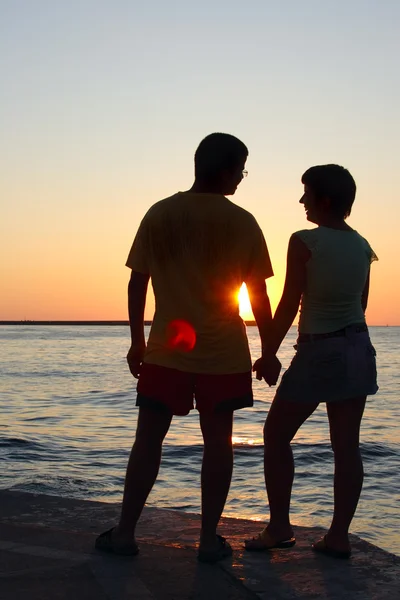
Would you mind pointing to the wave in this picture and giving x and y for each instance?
(13, 442)
(369, 450)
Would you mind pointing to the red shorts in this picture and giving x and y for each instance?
(162, 388)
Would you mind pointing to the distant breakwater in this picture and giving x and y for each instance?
(84, 323)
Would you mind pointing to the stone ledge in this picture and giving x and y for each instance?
(46, 550)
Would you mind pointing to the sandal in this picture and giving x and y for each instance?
(105, 543)
(212, 556)
(264, 541)
(322, 548)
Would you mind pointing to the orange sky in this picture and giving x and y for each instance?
(99, 122)
(66, 262)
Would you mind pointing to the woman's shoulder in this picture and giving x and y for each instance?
(307, 232)
(309, 237)
(367, 247)
(321, 238)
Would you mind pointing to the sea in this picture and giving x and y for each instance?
(68, 417)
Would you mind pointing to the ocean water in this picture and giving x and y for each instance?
(68, 419)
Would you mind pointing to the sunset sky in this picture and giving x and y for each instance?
(104, 103)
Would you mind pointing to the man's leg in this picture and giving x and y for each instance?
(143, 466)
(216, 472)
(344, 421)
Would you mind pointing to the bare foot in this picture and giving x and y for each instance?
(209, 543)
(213, 550)
(122, 537)
(108, 541)
(338, 542)
(282, 538)
(279, 533)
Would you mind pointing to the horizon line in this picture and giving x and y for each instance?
(114, 322)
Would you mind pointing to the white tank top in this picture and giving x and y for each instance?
(336, 275)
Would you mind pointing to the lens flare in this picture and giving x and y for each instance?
(181, 336)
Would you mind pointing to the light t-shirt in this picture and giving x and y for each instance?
(198, 250)
(336, 275)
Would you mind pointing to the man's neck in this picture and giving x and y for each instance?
(203, 187)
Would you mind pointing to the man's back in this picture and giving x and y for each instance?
(198, 249)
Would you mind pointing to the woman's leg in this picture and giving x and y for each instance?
(283, 421)
(344, 422)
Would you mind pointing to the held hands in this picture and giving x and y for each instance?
(135, 359)
(268, 367)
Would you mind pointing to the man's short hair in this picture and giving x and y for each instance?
(333, 182)
(216, 153)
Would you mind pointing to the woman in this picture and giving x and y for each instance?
(328, 275)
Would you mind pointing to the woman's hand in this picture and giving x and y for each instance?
(267, 368)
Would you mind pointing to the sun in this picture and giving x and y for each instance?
(245, 310)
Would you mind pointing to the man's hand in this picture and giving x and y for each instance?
(135, 359)
(268, 368)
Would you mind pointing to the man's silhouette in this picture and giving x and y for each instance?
(198, 248)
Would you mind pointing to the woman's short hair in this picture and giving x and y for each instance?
(333, 182)
(216, 153)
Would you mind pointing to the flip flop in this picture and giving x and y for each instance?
(105, 543)
(212, 556)
(322, 548)
(264, 541)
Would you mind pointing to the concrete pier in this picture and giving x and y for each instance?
(47, 552)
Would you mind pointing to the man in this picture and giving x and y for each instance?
(198, 248)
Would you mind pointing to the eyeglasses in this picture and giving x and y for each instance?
(245, 173)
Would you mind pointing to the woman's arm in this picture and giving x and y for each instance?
(297, 257)
(364, 297)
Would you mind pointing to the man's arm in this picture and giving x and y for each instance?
(137, 291)
(258, 270)
(261, 307)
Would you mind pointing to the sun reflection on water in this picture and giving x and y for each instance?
(243, 441)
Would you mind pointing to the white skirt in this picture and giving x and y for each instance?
(331, 369)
